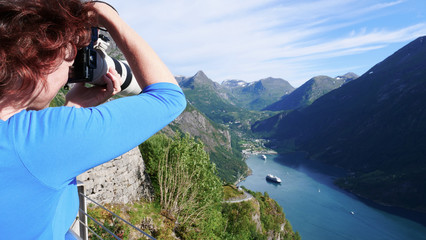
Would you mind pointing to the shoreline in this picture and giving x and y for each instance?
(411, 214)
(247, 154)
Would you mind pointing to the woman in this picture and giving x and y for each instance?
(43, 149)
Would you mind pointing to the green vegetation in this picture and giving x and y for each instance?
(240, 224)
(188, 187)
(219, 142)
(221, 111)
(59, 99)
(108, 221)
(189, 200)
(261, 218)
(186, 184)
(231, 192)
(230, 166)
(143, 214)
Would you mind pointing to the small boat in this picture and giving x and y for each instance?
(273, 178)
(352, 212)
(264, 157)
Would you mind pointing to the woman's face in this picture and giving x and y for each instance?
(54, 82)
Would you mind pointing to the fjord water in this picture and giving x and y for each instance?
(317, 208)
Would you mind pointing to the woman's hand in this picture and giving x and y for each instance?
(103, 12)
(82, 96)
(147, 67)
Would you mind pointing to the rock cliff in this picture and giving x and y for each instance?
(197, 125)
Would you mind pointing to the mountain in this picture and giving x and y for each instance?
(374, 127)
(257, 95)
(217, 140)
(213, 100)
(310, 91)
(208, 97)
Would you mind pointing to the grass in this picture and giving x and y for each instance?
(143, 214)
(231, 192)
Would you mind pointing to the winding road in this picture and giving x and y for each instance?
(247, 197)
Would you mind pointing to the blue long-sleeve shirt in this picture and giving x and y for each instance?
(42, 152)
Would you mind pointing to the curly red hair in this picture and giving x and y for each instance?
(34, 34)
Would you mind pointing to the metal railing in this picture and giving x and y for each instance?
(81, 228)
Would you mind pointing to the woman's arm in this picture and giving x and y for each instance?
(57, 144)
(144, 62)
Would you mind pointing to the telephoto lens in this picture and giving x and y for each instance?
(92, 63)
(129, 85)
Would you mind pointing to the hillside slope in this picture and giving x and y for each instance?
(208, 97)
(217, 140)
(310, 91)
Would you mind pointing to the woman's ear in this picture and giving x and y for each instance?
(70, 52)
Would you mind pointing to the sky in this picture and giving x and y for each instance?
(290, 39)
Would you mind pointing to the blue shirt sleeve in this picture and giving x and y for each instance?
(58, 144)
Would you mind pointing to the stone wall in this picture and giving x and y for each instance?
(121, 180)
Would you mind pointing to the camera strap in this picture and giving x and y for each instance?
(104, 29)
(106, 4)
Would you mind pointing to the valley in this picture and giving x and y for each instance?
(374, 126)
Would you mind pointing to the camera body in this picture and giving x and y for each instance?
(92, 63)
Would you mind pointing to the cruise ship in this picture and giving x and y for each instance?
(273, 178)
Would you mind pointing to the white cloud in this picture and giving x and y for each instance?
(253, 39)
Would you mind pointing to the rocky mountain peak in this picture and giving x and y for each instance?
(347, 77)
(199, 79)
(234, 83)
(200, 75)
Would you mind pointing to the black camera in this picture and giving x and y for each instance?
(92, 63)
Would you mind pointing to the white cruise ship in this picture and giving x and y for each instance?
(273, 178)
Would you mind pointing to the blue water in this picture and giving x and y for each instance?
(318, 209)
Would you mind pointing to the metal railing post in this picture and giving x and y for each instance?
(84, 234)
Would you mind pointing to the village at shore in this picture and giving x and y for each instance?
(256, 147)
